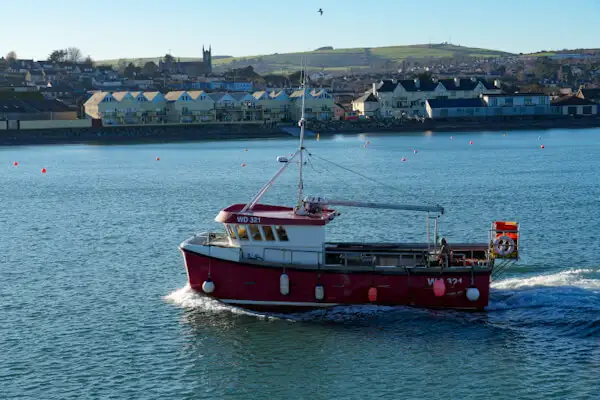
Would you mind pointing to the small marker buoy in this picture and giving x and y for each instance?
(43, 170)
(16, 163)
(504, 134)
(365, 146)
(415, 151)
(157, 158)
(470, 142)
(542, 147)
(243, 164)
(451, 137)
(368, 142)
(403, 159)
(539, 138)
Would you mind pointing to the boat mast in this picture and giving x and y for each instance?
(302, 122)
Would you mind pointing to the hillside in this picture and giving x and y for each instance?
(342, 59)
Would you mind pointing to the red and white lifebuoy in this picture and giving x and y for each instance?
(504, 245)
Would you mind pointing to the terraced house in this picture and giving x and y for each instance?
(408, 97)
(190, 106)
(197, 106)
(274, 105)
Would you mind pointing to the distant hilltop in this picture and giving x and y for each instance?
(336, 59)
(351, 59)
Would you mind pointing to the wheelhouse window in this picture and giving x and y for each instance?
(230, 231)
(242, 232)
(269, 234)
(281, 233)
(255, 233)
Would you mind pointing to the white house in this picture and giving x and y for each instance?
(573, 105)
(366, 105)
(409, 96)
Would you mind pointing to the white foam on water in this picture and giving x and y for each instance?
(569, 288)
(574, 277)
(188, 298)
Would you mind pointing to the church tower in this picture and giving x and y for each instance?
(207, 59)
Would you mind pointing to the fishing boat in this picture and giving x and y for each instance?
(276, 258)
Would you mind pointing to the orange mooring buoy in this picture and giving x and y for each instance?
(470, 142)
(16, 163)
(243, 164)
(542, 147)
(403, 159)
(43, 170)
(157, 158)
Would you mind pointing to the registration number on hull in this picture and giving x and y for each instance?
(242, 219)
(450, 281)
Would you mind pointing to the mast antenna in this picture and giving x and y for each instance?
(301, 123)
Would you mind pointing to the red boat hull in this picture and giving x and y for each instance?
(257, 287)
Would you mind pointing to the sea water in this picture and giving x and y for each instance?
(94, 302)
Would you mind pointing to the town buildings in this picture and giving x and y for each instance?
(398, 98)
(197, 106)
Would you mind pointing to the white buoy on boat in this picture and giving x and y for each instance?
(319, 292)
(284, 284)
(208, 286)
(473, 294)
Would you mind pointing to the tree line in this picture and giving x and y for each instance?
(70, 54)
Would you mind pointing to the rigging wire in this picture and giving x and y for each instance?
(355, 172)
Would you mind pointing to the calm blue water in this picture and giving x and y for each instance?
(93, 302)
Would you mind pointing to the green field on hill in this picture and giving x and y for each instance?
(338, 59)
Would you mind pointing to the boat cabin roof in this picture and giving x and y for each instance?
(264, 214)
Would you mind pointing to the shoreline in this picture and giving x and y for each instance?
(249, 131)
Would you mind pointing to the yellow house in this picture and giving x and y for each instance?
(275, 105)
(102, 105)
(318, 104)
(153, 106)
(366, 105)
(127, 107)
(203, 108)
(189, 107)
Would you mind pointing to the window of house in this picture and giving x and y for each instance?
(269, 234)
(572, 110)
(242, 232)
(587, 110)
(508, 102)
(230, 231)
(255, 233)
(281, 233)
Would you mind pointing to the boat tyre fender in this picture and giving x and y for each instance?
(504, 245)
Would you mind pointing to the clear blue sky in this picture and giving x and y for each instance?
(135, 28)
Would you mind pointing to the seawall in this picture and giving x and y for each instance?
(141, 134)
(241, 131)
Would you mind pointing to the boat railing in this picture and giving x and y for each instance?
(362, 259)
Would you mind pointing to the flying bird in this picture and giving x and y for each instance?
(320, 11)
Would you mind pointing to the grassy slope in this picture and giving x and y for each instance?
(340, 58)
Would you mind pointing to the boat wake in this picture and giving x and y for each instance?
(567, 303)
(575, 287)
(188, 298)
